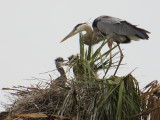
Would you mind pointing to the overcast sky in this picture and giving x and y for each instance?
(31, 31)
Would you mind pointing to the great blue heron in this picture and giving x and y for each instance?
(111, 28)
(59, 62)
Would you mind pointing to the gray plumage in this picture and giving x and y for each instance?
(123, 30)
(110, 28)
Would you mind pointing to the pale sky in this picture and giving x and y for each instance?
(31, 31)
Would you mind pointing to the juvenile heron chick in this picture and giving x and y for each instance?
(59, 62)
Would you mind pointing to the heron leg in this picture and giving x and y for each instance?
(110, 43)
(121, 58)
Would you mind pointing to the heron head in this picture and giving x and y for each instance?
(59, 62)
(77, 29)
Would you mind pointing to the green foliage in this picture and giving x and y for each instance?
(95, 98)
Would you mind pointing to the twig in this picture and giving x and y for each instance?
(144, 113)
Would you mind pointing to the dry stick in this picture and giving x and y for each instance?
(133, 70)
(144, 113)
(48, 71)
(22, 91)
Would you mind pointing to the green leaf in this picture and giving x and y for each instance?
(120, 100)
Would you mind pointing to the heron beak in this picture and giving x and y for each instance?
(72, 33)
(64, 62)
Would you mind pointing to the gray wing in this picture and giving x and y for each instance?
(108, 25)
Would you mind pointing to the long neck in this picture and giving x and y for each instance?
(88, 35)
(60, 69)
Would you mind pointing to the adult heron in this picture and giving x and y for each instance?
(111, 28)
